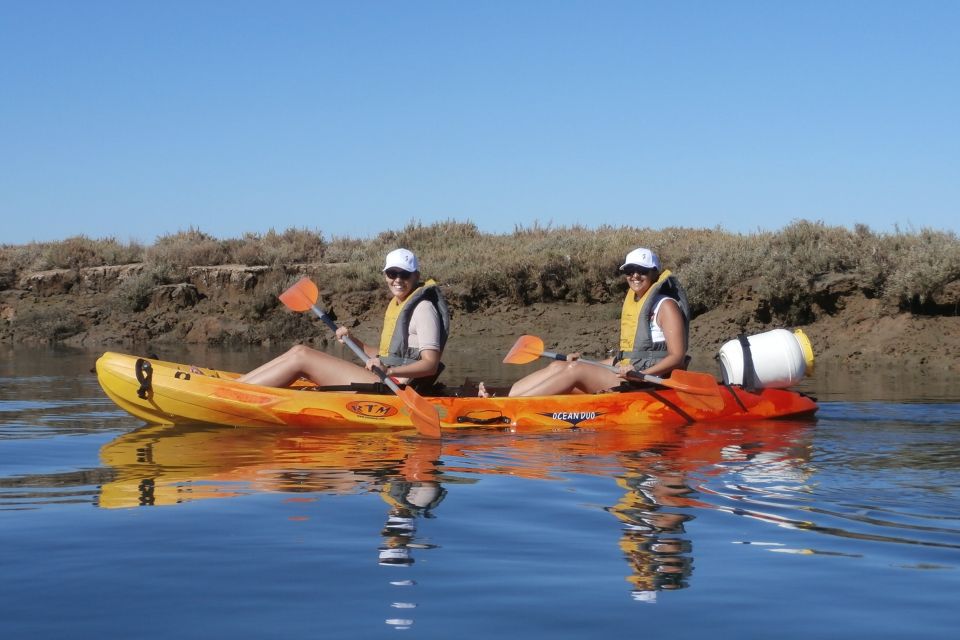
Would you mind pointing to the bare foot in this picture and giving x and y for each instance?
(482, 391)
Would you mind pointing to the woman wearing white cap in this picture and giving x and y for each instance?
(415, 330)
(654, 327)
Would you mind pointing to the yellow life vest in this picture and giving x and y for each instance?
(396, 323)
(630, 315)
(390, 320)
(636, 345)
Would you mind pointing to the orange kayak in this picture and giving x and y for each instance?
(161, 392)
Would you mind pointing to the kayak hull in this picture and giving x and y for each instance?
(160, 392)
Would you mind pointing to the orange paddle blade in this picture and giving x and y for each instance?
(525, 349)
(701, 384)
(423, 414)
(699, 390)
(703, 402)
(301, 296)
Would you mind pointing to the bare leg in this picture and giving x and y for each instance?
(302, 361)
(524, 384)
(566, 377)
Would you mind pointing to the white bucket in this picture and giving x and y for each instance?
(780, 358)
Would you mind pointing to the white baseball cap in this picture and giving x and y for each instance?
(402, 259)
(642, 258)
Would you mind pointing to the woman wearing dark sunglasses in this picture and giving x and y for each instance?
(416, 326)
(654, 329)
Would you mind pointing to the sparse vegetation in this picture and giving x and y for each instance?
(788, 270)
(47, 325)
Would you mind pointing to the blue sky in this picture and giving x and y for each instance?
(139, 119)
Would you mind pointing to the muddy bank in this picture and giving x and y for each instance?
(855, 340)
(235, 305)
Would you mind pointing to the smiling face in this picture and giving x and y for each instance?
(639, 279)
(401, 283)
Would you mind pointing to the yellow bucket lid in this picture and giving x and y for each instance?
(806, 347)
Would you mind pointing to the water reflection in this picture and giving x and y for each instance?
(653, 517)
(658, 470)
(867, 495)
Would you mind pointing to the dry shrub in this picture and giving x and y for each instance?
(416, 234)
(343, 250)
(293, 246)
(76, 252)
(925, 264)
(873, 261)
(439, 246)
(795, 259)
(14, 260)
(72, 253)
(134, 293)
(541, 263)
(350, 276)
(170, 257)
(709, 272)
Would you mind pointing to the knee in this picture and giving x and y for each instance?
(299, 352)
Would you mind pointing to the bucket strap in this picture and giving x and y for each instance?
(750, 382)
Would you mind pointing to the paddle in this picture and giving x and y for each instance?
(529, 348)
(303, 295)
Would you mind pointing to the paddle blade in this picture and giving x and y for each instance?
(525, 349)
(301, 296)
(702, 402)
(423, 414)
(701, 384)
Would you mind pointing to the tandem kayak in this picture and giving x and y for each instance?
(160, 392)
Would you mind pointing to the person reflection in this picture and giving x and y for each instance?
(408, 501)
(652, 539)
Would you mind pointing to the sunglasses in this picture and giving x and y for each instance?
(393, 274)
(632, 270)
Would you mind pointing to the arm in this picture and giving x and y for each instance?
(343, 332)
(670, 319)
(426, 366)
(425, 325)
(425, 332)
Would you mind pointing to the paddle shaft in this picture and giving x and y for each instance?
(360, 353)
(630, 374)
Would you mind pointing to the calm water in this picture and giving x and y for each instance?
(843, 527)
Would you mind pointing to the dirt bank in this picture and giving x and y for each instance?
(237, 305)
(858, 337)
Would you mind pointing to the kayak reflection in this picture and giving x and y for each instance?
(660, 472)
(165, 465)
